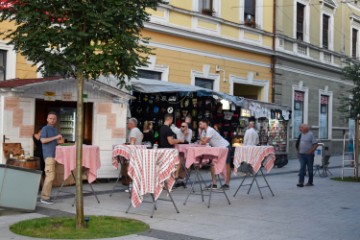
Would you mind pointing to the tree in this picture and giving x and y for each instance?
(351, 105)
(81, 39)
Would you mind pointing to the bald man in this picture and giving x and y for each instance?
(307, 147)
(251, 137)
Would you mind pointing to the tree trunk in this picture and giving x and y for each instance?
(79, 143)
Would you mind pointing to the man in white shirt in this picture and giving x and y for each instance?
(251, 137)
(135, 136)
(183, 133)
(209, 135)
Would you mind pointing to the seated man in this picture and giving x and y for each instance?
(208, 135)
(135, 136)
(183, 133)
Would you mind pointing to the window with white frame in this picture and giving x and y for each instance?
(3, 65)
(354, 43)
(204, 83)
(149, 74)
(325, 31)
(250, 13)
(324, 117)
(206, 7)
(300, 21)
(299, 104)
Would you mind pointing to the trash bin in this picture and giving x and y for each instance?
(19, 187)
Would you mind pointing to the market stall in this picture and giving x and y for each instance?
(230, 115)
(24, 104)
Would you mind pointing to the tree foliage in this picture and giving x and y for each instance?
(351, 105)
(91, 37)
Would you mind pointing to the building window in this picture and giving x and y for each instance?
(325, 31)
(300, 13)
(148, 74)
(206, 7)
(299, 97)
(354, 42)
(204, 83)
(249, 13)
(3, 65)
(324, 117)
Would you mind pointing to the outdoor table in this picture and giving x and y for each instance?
(182, 148)
(152, 170)
(258, 157)
(121, 154)
(199, 156)
(66, 155)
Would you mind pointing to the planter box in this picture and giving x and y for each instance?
(19, 187)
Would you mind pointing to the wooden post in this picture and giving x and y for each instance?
(79, 142)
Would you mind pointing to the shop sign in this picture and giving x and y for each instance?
(67, 96)
(49, 96)
(85, 97)
(299, 96)
(324, 100)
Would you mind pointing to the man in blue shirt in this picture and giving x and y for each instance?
(307, 147)
(49, 138)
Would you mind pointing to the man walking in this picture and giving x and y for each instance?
(307, 147)
(49, 138)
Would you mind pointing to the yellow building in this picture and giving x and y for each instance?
(222, 45)
(12, 64)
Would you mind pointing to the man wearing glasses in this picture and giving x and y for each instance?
(183, 133)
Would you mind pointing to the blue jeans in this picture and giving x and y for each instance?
(306, 160)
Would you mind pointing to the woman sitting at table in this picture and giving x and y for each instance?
(209, 135)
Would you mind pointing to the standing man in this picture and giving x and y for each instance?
(49, 138)
(166, 135)
(251, 137)
(135, 135)
(307, 147)
(209, 135)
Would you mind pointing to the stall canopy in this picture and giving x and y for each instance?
(155, 86)
(258, 109)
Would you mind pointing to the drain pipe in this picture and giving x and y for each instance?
(273, 57)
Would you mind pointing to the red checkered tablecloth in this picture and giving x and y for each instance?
(123, 151)
(150, 169)
(255, 156)
(201, 155)
(66, 155)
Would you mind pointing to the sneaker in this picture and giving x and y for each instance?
(225, 187)
(211, 186)
(309, 184)
(300, 184)
(48, 201)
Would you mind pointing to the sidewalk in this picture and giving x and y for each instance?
(329, 210)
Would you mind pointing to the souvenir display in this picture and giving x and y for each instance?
(271, 124)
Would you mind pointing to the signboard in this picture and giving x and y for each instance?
(49, 96)
(67, 96)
